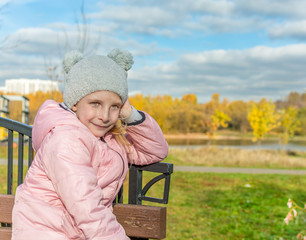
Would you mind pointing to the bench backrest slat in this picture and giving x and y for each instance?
(6, 206)
(142, 221)
(5, 233)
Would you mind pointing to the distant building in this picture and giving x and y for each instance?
(27, 86)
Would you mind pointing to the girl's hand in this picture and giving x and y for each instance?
(126, 110)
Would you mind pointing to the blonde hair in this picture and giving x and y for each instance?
(119, 133)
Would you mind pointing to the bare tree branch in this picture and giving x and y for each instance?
(6, 42)
(82, 43)
(3, 40)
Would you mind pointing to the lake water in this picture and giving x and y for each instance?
(237, 143)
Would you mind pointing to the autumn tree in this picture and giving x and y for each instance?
(138, 101)
(210, 107)
(172, 114)
(213, 122)
(215, 116)
(187, 114)
(294, 99)
(263, 119)
(161, 108)
(190, 98)
(301, 116)
(288, 123)
(36, 100)
(238, 112)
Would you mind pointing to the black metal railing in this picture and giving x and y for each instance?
(24, 133)
(136, 194)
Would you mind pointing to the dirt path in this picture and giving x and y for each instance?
(237, 170)
(218, 169)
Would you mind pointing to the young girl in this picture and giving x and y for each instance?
(82, 153)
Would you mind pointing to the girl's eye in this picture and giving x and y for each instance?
(94, 104)
(115, 107)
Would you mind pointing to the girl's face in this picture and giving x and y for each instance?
(99, 111)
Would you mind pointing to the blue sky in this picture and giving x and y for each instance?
(243, 50)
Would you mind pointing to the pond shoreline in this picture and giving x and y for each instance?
(234, 141)
(202, 136)
(238, 170)
(228, 135)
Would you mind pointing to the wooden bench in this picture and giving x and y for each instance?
(138, 221)
(6, 206)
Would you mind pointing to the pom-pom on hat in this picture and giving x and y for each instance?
(95, 73)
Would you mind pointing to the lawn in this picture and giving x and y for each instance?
(4, 151)
(233, 206)
(3, 178)
(226, 206)
(215, 156)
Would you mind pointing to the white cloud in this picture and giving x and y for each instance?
(220, 24)
(272, 8)
(260, 71)
(161, 33)
(209, 7)
(3, 3)
(178, 18)
(146, 16)
(296, 29)
(22, 66)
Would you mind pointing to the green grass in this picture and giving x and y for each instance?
(4, 151)
(215, 156)
(225, 206)
(232, 206)
(3, 178)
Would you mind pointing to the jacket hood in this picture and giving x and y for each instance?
(50, 115)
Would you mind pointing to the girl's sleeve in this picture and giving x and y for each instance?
(69, 168)
(148, 142)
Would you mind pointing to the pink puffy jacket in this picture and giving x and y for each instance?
(69, 189)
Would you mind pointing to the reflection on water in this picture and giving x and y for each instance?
(237, 143)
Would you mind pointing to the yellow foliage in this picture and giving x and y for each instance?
(214, 122)
(220, 119)
(138, 101)
(215, 115)
(172, 114)
(289, 123)
(191, 98)
(185, 115)
(263, 118)
(36, 100)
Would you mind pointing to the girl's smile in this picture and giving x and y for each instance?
(99, 111)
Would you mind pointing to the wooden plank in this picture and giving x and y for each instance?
(142, 221)
(6, 207)
(137, 220)
(5, 233)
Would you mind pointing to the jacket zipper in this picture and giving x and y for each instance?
(123, 167)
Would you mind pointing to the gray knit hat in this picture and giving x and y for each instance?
(95, 73)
